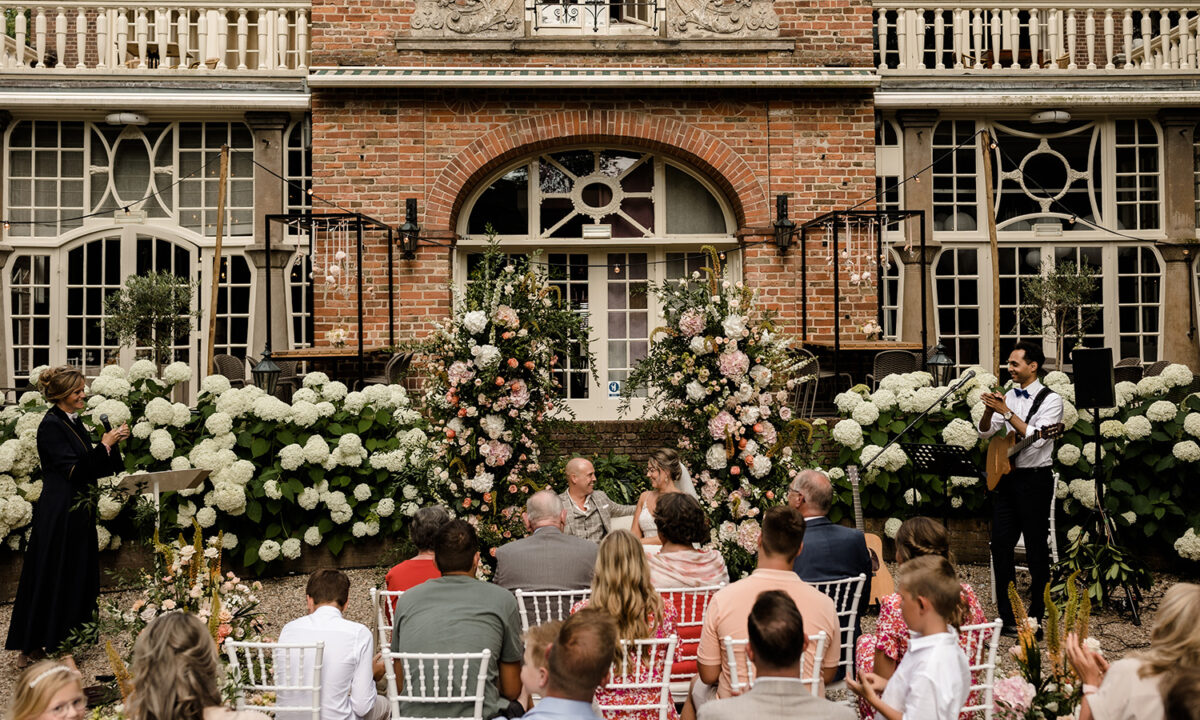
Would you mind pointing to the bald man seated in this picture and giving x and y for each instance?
(547, 559)
(589, 512)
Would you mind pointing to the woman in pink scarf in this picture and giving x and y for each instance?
(682, 527)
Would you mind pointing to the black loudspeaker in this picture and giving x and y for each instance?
(1094, 377)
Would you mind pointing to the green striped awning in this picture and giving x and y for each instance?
(591, 77)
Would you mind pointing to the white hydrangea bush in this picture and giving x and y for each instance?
(327, 467)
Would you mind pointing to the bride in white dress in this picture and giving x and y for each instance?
(666, 475)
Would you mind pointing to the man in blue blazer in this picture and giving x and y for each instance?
(830, 551)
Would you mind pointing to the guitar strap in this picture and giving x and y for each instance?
(1037, 403)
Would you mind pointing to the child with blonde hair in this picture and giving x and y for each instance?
(933, 679)
(535, 671)
(48, 690)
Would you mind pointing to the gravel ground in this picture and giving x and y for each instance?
(282, 600)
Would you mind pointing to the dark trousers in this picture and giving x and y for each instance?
(1021, 506)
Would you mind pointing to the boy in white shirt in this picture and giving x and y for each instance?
(933, 679)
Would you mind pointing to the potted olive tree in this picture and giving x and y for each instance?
(152, 311)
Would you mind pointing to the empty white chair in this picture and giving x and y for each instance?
(437, 679)
(646, 667)
(691, 604)
(845, 594)
(740, 682)
(291, 671)
(543, 606)
(384, 602)
(984, 639)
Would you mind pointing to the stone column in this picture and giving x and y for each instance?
(917, 126)
(1180, 343)
(6, 250)
(268, 128)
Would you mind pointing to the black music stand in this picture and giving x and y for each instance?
(944, 461)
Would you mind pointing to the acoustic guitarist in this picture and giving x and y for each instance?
(1021, 500)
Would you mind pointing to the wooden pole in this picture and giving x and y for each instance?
(985, 149)
(216, 269)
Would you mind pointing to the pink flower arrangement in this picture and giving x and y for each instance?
(1014, 693)
(747, 535)
(495, 453)
(459, 373)
(519, 393)
(506, 317)
(691, 323)
(733, 364)
(720, 424)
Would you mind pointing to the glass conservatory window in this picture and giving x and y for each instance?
(1137, 175)
(45, 177)
(956, 297)
(891, 296)
(300, 300)
(30, 312)
(297, 167)
(200, 143)
(1139, 296)
(954, 177)
(233, 307)
(93, 273)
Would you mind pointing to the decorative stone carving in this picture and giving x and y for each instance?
(476, 18)
(722, 18)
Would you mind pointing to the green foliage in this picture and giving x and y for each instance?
(619, 477)
(152, 310)
(1059, 305)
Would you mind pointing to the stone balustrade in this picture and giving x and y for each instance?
(1036, 37)
(185, 37)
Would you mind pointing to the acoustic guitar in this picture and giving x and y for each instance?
(1001, 449)
(881, 580)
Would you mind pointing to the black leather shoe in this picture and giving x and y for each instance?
(1009, 631)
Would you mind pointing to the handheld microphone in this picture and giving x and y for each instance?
(963, 380)
(104, 421)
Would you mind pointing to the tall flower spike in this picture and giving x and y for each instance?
(119, 670)
(1053, 629)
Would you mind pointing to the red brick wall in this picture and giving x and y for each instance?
(372, 149)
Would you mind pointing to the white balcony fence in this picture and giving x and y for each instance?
(1036, 37)
(181, 37)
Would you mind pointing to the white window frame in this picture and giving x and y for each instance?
(599, 405)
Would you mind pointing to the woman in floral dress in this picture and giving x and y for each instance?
(622, 588)
(881, 652)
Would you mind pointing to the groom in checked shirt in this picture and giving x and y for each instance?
(1021, 501)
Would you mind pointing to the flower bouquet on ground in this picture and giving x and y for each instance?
(1045, 686)
(493, 386)
(718, 371)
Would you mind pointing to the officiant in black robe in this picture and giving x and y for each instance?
(60, 577)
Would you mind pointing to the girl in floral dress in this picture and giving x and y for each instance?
(881, 652)
(622, 588)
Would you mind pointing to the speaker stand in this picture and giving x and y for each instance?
(1107, 528)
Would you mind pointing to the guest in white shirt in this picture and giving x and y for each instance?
(1021, 500)
(933, 680)
(349, 666)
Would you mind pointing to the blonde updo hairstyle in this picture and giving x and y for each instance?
(36, 687)
(57, 383)
(622, 587)
(174, 670)
(668, 460)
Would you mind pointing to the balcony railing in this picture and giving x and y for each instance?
(178, 38)
(1036, 37)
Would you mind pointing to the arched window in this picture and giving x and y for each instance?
(610, 222)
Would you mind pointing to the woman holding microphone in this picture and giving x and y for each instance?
(60, 577)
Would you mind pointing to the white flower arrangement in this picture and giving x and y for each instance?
(1176, 375)
(117, 411)
(912, 496)
(206, 516)
(1191, 424)
(315, 379)
(214, 384)
(312, 536)
(271, 490)
(162, 447)
(891, 527)
(960, 433)
(715, 457)
(1187, 451)
(849, 433)
(1112, 429)
(1068, 454)
(847, 401)
(141, 369)
(883, 400)
(362, 492)
(333, 391)
(177, 372)
(268, 550)
(385, 508)
(1162, 411)
(289, 548)
(865, 413)
(1084, 490)
(475, 322)
(1151, 386)
(1188, 545)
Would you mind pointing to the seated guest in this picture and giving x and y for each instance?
(456, 613)
(589, 511)
(416, 570)
(1132, 687)
(48, 690)
(577, 662)
(681, 526)
(665, 473)
(548, 559)
(534, 670)
(622, 589)
(175, 672)
(831, 551)
(780, 542)
(777, 641)
(349, 666)
(934, 679)
(1181, 694)
(882, 651)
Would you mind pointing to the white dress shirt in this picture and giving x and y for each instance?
(347, 683)
(932, 681)
(1039, 454)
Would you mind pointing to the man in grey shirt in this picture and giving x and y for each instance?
(548, 559)
(457, 613)
(589, 511)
